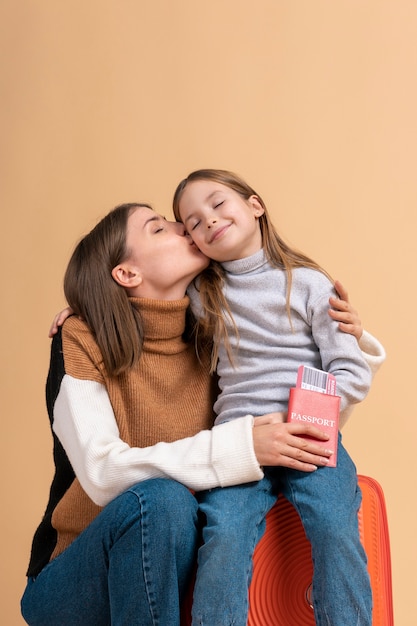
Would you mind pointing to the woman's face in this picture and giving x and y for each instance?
(163, 257)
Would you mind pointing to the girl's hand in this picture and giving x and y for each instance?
(59, 319)
(343, 312)
(279, 443)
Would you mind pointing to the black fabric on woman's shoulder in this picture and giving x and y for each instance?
(45, 537)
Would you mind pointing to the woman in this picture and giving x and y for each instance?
(119, 537)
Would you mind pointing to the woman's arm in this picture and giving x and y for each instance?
(342, 311)
(229, 454)
(105, 465)
(373, 351)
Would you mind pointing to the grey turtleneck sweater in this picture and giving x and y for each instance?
(269, 350)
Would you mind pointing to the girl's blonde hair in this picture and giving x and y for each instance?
(210, 282)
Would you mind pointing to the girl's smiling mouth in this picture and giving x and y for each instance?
(219, 233)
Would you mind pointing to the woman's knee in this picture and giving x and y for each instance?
(168, 499)
(161, 489)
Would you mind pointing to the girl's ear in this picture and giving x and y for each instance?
(257, 207)
(126, 276)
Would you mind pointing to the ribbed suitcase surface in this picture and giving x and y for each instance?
(281, 584)
(280, 589)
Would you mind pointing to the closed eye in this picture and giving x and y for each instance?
(192, 224)
(155, 223)
(161, 227)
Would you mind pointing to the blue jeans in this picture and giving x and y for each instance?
(130, 566)
(327, 501)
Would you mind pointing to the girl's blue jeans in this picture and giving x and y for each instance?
(327, 501)
(131, 566)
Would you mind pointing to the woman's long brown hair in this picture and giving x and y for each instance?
(94, 295)
(210, 282)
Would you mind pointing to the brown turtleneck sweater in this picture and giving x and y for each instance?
(167, 396)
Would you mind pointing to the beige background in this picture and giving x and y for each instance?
(109, 101)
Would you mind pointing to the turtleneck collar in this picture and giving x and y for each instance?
(163, 322)
(248, 264)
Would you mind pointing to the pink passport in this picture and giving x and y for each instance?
(319, 409)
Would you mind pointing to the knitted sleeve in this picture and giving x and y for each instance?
(339, 352)
(374, 354)
(82, 355)
(106, 466)
(372, 351)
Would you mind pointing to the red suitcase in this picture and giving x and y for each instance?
(281, 584)
(280, 590)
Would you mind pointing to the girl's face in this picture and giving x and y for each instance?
(220, 221)
(162, 259)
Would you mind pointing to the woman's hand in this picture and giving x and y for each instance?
(271, 418)
(343, 312)
(59, 319)
(279, 443)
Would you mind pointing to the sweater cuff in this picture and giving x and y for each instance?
(373, 351)
(234, 458)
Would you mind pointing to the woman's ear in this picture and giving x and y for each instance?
(127, 276)
(257, 207)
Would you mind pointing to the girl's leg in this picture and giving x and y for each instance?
(130, 566)
(234, 523)
(328, 501)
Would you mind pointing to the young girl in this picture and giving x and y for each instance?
(266, 306)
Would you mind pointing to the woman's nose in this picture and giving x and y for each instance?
(179, 228)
